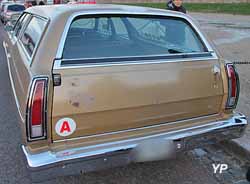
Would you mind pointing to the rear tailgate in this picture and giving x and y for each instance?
(121, 72)
(102, 99)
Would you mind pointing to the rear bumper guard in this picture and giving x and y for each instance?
(49, 164)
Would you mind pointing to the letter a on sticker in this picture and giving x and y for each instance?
(65, 127)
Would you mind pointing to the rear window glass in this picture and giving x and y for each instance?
(32, 34)
(16, 8)
(127, 36)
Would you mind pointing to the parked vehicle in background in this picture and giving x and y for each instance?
(106, 85)
(3, 2)
(11, 11)
(12, 21)
(2, 5)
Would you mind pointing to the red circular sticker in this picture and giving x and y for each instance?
(65, 127)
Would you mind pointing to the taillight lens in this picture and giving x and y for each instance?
(36, 110)
(233, 86)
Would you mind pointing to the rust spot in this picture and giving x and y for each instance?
(76, 104)
(75, 82)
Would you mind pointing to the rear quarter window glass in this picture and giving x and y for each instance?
(130, 36)
(32, 34)
(20, 23)
(84, 23)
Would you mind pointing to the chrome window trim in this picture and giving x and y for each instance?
(41, 37)
(11, 34)
(58, 65)
(21, 30)
(134, 57)
(19, 38)
(62, 41)
(30, 58)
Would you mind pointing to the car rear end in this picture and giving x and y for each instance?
(3, 4)
(144, 80)
(13, 11)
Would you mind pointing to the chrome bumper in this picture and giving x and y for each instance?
(49, 164)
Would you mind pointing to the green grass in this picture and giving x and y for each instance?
(231, 8)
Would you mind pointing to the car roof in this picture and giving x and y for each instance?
(6, 2)
(14, 4)
(55, 11)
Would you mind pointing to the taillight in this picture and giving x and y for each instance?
(36, 110)
(233, 86)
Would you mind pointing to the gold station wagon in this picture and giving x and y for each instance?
(99, 86)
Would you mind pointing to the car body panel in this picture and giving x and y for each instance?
(114, 98)
(20, 74)
(213, 95)
(117, 101)
(82, 106)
